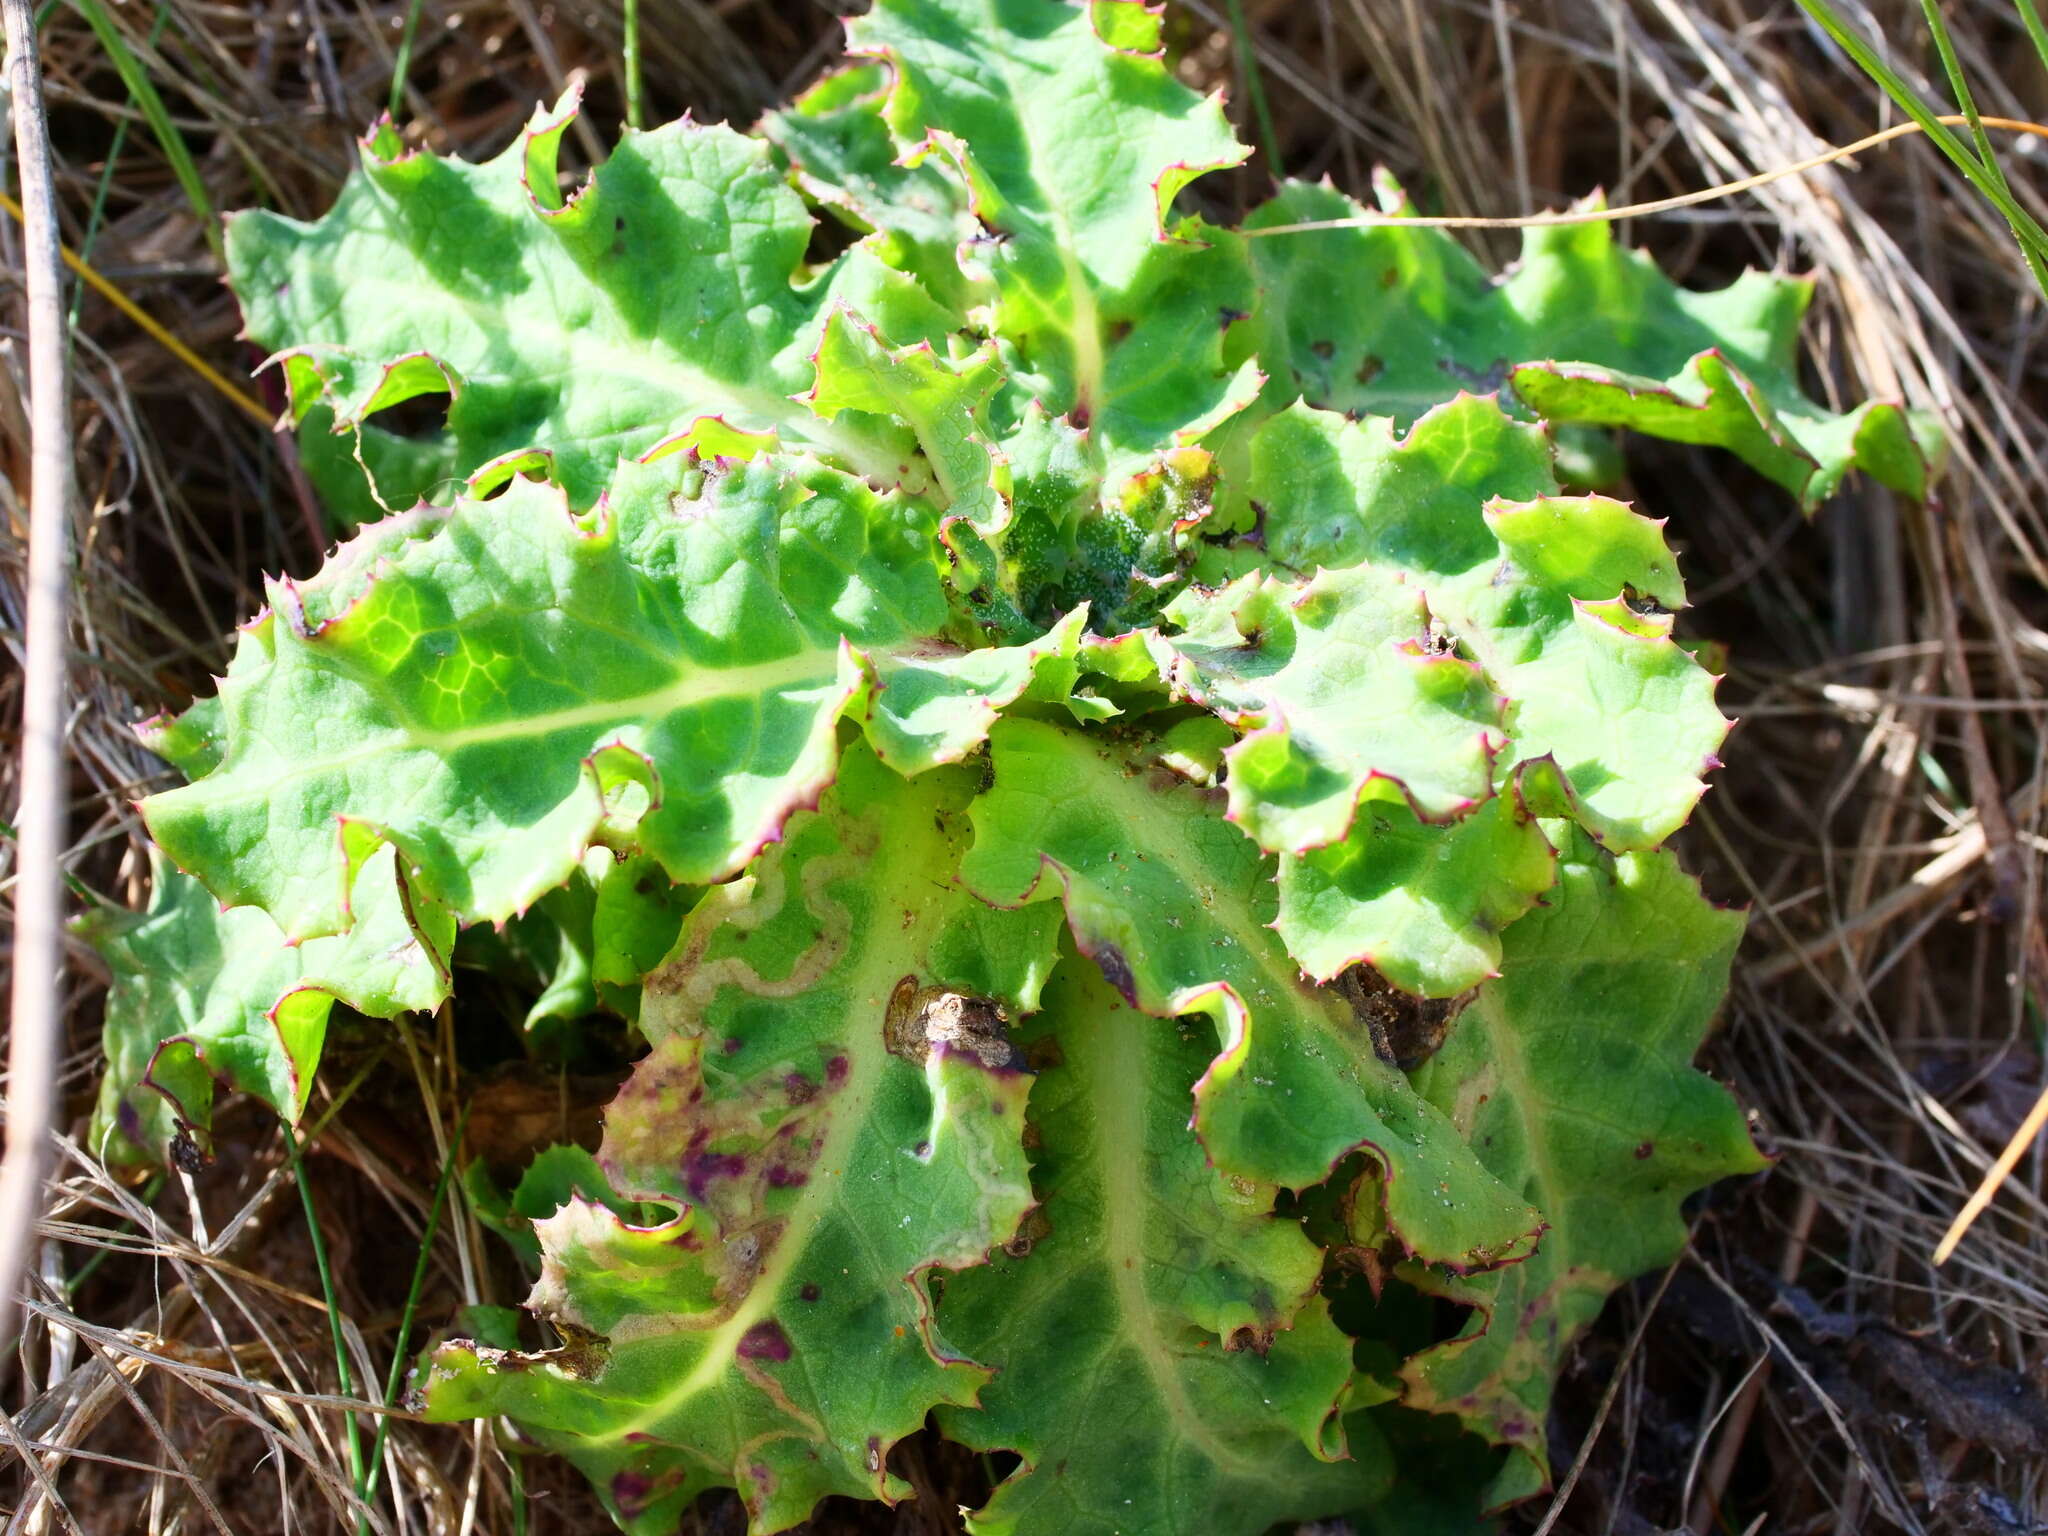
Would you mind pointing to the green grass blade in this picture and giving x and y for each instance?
(1959, 84)
(2029, 231)
(374, 1472)
(106, 183)
(632, 63)
(2030, 18)
(1255, 87)
(403, 62)
(345, 1375)
(143, 93)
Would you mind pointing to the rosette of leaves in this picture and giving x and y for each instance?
(1094, 746)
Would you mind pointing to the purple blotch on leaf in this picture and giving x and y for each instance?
(764, 1341)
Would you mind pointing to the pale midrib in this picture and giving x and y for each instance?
(1507, 1054)
(1164, 841)
(588, 353)
(1118, 1094)
(1086, 331)
(847, 1116)
(807, 666)
(691, 688)
(849, 1112)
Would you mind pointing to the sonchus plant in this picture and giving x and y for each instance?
(1119, 788)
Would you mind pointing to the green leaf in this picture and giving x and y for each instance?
(1333, 682)
(939, 403)
(1571, 1076)
(1174, 904)
(661, 291)
(1535, 593)
(499, 685)
(1166, 1363)
(1424, 906)
(832, 1110)
(1583, 329)
(556, 1176)
(557, 935)
(916, 217)
(1460, 633)
(189, 742)
(1074, 139)
(634, 924)
(201, 995)
(1335, 493)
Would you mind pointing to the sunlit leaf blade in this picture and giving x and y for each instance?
(1571, 1074)
(832, 1109)
(1327, 492)
(1173, 903)
(1561, 601)
(1334, 682)
(1582, 329)
(499, 685)
(940, 404)
(916, 217)
(1073, 139)
(1166, 1365)
(1424, 906)
(634, 923)
(1440, 555)
(201, 996)
(592, 325)
(190, 741)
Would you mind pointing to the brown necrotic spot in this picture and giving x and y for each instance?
(920, 1018)
(1406, 1031)
(808, 1293)
(1030, 1231)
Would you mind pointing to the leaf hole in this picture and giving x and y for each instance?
(421, 416)
(830, 239)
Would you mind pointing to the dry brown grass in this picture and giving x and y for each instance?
(1891, 663)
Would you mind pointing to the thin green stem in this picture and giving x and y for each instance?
(516, 1475)
(1255, 87)
(367, 1489)
(106, 183)
(401, 64)
(76, 886)
(2028, 230)
(1966, 101)
(142, 91)
(343, 1373)
(632, 63)
(2030, 18)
